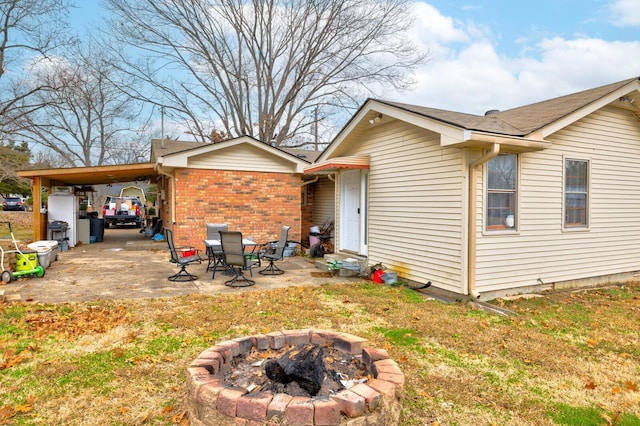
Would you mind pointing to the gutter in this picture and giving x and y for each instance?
(471, 218)
(157, 167)
(308, 182)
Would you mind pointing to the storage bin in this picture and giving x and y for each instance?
(390, 277)
(27, 260)
(290, 250)
(47, 251)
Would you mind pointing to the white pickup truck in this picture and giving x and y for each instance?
(122, 210)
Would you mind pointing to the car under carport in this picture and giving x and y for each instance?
(80, 176)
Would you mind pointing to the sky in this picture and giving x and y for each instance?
(499, 54)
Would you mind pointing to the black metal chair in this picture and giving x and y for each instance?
(275, 252)
(182, 256)
(235, 260)
(214, 253)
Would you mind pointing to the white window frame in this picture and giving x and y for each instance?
(587, 226)
(516, 191)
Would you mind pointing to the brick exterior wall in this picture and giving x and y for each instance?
(256, 203)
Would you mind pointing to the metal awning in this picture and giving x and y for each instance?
(337, 163)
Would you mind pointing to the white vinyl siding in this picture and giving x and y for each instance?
(323, 201)
(541, 252)
(415, 204)
(241, 157)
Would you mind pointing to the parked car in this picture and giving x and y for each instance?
(14, 204)
(122, 210)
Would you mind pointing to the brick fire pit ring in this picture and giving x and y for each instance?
(211, 401)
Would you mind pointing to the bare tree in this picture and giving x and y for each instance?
(270, 69)
(28, 28)
(87, 120)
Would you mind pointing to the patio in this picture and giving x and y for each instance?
(128, 265)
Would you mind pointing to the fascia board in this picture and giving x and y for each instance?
(449, 134)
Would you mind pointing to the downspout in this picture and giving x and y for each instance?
(158, 168)
(471, 217)
(308, 182)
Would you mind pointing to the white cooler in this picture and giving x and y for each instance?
(47, 251)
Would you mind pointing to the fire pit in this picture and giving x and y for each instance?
(272, 379)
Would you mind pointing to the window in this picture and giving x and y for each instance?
(502, 175)
(576, 193)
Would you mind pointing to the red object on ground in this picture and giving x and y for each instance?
(188, 253)
(377, 276)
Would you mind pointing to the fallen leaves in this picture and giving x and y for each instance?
(592, 343)
(13, 359)
(9, 411)
(631, 386)
(66, 322)
(627, 386)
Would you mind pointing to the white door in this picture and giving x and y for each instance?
(350, 211)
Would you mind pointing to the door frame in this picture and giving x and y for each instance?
(362, 235)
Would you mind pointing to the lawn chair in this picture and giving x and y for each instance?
(182, 256)
(214, 253)
(235, 260)
(275, 252)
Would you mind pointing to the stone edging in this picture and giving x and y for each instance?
(212, 401)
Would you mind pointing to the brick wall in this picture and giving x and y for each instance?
(256, 203)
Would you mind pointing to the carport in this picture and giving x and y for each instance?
(80, 176)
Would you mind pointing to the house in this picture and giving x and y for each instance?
(542, 196)
(254, 187)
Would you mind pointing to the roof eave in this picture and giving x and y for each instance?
(482, 140)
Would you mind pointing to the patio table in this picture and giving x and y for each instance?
(210, 245)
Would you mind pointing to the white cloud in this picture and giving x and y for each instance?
(626, 13)
(468, 74)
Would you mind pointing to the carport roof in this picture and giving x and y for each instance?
(94, 175)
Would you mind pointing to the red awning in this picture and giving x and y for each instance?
(337, 163)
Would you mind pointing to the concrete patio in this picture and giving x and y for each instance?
(127, 265)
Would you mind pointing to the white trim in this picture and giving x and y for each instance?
(485, 200)
(564, 188)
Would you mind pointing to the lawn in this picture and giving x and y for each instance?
(570, 358)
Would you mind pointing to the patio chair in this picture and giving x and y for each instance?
(183, 257)
(214, 253)
(275, 252)
(235, 260)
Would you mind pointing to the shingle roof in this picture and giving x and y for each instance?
(160, 148)
(519, 121)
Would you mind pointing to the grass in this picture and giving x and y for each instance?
(566, 359)
(570, 358)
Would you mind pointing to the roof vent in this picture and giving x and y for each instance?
(491, 112)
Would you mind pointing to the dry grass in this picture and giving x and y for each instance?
(20, 224)
(124, 362)
(566, 358)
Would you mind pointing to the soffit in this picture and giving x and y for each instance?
(94, 175)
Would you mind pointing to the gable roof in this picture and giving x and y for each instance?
(160, 148)
(522, 128)
(520, 121)
(178, 154)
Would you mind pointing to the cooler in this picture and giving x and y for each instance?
(26, 261)
(47, 251)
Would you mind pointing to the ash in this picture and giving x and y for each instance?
(341, 371)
